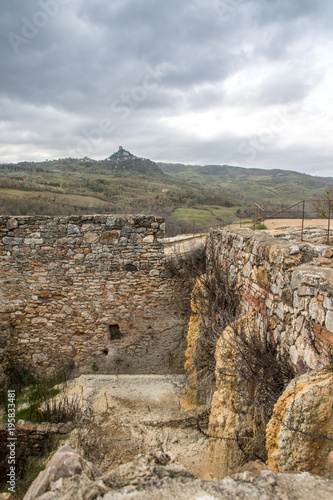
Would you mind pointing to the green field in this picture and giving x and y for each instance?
(66, 199)
(207, 216)
(186, 195)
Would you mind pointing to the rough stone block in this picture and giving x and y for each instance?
(109, 237)
(33, 241)
(73, 229)
(12, 241)
(328, 303)
(329, 321)
(148, 239)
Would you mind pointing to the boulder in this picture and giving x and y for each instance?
(236, 429)
(300, 432)
(158, 476)
(64, 463)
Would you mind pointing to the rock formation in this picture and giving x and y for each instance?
(68, 477)
(236, 429)
(195, 331)
(300, 433)
(287, 288)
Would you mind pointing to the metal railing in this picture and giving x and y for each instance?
(305, 209)
(259, 215)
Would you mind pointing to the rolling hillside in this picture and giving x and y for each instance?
(253, 185)
(191, 197)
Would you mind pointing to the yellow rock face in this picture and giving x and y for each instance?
(192, 397)
(233, 426)
(262, 277)
(302, 418)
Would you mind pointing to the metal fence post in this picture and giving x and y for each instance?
(303, 220)
(329, 221)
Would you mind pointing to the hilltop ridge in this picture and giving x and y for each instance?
(121, 154)
(124, 161)
(190, 197)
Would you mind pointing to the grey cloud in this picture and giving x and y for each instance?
(90, 62)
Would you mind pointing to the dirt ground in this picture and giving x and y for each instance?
(184, 243)
(276, 226)
(141, 414)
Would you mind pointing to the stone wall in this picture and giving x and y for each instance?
(286, 293)
(32, 436)
(289, 285)
(93, 290)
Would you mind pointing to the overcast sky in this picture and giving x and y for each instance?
(234, 82)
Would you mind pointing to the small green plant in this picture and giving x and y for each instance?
(95, 367)
(32, 391)
(18, 377)
(261, 226)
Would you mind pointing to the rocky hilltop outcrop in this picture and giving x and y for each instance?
(123, 161)
(121, 154)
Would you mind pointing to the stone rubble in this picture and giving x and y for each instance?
(69, 477)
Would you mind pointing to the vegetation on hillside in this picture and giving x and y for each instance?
(189, 197)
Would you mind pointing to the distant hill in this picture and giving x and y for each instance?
(191, 197)
(253, 185)
(124, 161)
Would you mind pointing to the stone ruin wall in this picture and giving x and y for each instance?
(90, 289)
(289, 285)
(288, 289)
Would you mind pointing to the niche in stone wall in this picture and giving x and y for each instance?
(115, 333)
(130, 268)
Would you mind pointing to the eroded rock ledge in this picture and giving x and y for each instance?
(285, 292)
(69, 477)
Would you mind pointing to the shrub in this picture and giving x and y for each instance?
(188, 262)
(255, 362)
(35, 392)
(217, 299)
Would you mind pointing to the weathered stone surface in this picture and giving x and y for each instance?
(12, 241)
(302, 419)
(73, 229)
(282, 281)
(65, 463)
(145, 469)
(196, 329)
(329, 321)
(293, 298)
(150, 478)
(91, 237)
(110, 237)
(64, 294)
(231, 418)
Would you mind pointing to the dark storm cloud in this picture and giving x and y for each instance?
(80, 76)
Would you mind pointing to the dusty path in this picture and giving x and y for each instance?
(141, 414)
(276, 226)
